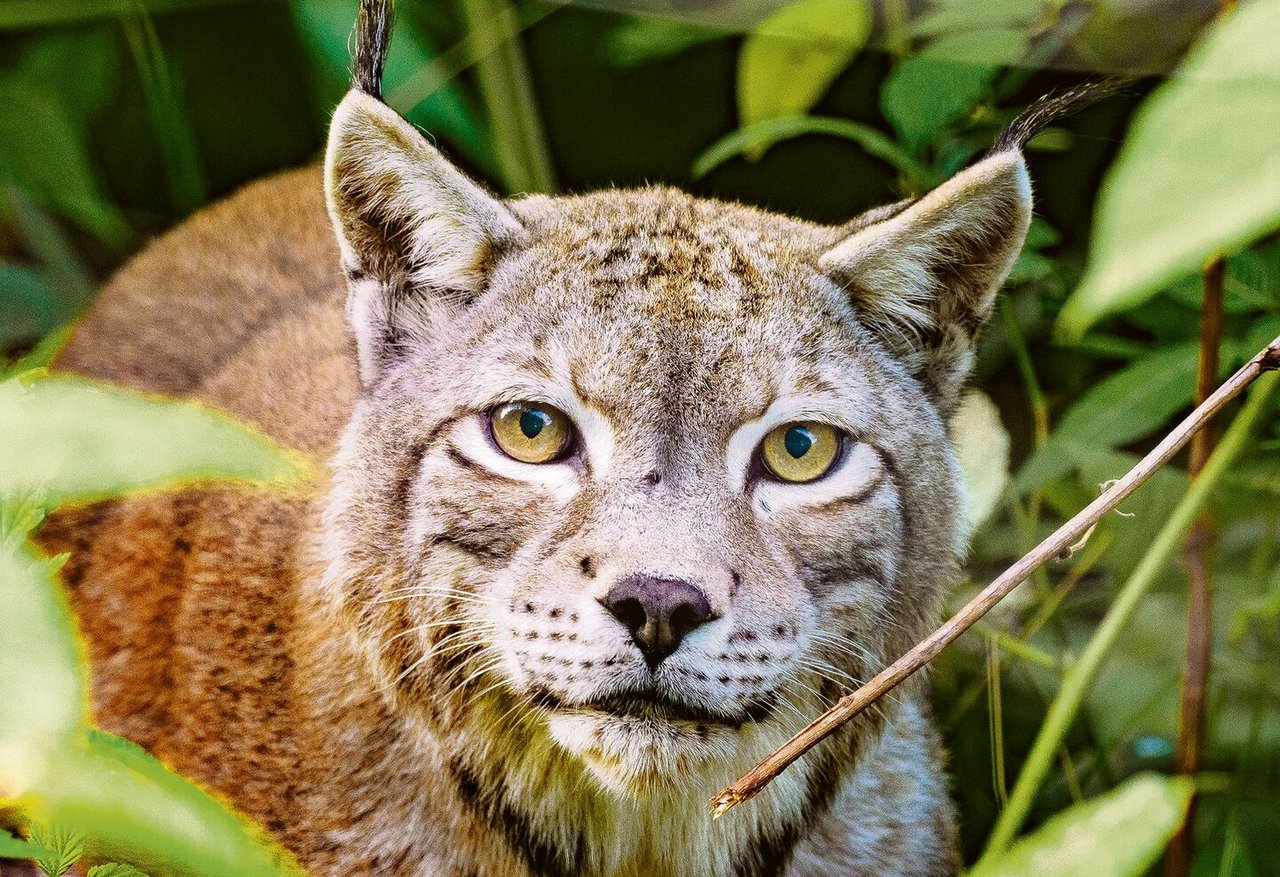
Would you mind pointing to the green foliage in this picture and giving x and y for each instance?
(43, 698)
(1118, 834)
(941, 85)
(757, 138)
(791, 58)
(115, 869)
(12, 848)
(1203, 147)
(141, 118)
(83, 441)
(58, 849)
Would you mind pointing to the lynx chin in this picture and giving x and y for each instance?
(623, 488)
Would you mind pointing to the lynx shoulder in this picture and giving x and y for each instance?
(620, 490)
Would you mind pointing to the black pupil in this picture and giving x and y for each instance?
(532, 422)
(798, 441)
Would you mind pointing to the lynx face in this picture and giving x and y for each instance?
(656, 476)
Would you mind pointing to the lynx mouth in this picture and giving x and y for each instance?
(655, 705)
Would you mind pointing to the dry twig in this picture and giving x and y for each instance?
(749, 784)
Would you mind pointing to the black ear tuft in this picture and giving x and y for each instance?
(373, 35)
(1050, 108)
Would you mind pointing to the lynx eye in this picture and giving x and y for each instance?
(531, 432)
(800, 452)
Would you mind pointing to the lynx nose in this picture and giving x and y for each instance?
(659, 612)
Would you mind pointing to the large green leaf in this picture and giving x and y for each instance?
(1117, 834)
(132, 808)
(75, 440)
(791, 57)
(13, 848)
(43, 700)
(1198, 174)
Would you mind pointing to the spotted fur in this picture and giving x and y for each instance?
(410, 671)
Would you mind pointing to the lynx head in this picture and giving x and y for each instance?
(651, 475)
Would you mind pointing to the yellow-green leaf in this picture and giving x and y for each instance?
(1197, 175)
(131, 807)
(43, 700)
(75, 440)
(791, 57)
(1118, 834)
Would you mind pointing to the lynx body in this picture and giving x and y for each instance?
(447, 660)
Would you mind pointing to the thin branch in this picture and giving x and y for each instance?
(1196, 555)
(1067, 705)
(750, 784)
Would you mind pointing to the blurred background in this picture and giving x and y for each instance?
(120, 117)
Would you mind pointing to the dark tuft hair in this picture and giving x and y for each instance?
(373, 34)
(1050, 108)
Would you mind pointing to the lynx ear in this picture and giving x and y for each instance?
(418, 237)
(924, 275)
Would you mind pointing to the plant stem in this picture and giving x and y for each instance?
(169, 119)
(1196, 556)
(509, 99)
(1039, 422)
(897, 26)
(1079, 677)
(749, 784)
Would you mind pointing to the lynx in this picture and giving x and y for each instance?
(622, 489)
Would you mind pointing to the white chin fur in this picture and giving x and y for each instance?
(630, 755)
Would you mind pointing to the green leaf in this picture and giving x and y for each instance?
(1197, 175)
(81, 64)
(43, 699)
(58, 848)
(47, 242)
(1117, 834)
(643, 40)
(45, 153)
(115, 869)
(12, 848)
(791, 57)
(943, 84)
(79, 441)
(761, 136)
(1127, 405)
(29, 306)
(132, 807)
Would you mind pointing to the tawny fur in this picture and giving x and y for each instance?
(292, 653)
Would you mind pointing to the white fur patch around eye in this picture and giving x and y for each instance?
(470, 437)
(860, 469)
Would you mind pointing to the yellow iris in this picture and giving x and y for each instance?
(800, 452)
(531, 432)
